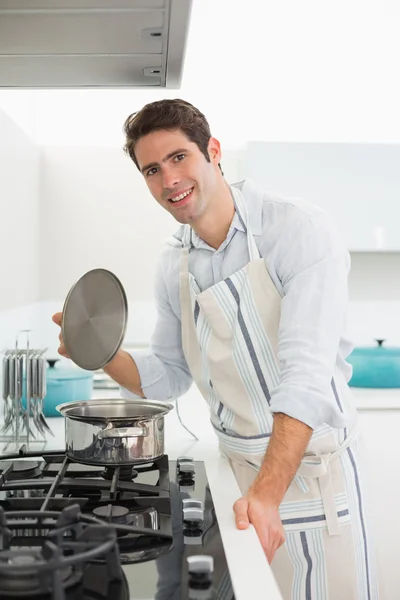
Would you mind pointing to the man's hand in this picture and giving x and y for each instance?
(265, 518)
(57, 319)
(122, 368)
(260, 505)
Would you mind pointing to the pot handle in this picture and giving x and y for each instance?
(122, 432)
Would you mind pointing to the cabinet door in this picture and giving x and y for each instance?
(380, 434)
(357, 184)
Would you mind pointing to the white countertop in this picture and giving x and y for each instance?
(376, 399)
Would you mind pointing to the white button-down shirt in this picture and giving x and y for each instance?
(309, 265)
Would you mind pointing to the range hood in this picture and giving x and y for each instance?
(93, 43)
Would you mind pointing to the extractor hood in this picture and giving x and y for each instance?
(93, 43)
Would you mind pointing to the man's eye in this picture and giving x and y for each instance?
(179, 157)
(152, 171)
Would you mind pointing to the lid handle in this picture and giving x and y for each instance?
(52, 362)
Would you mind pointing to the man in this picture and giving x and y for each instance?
(251, 295)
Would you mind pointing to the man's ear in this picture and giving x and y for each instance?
(214, 150)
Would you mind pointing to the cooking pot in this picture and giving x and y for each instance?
(114, 432)
(375, 367)
(64, 384)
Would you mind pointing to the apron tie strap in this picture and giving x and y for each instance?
(317, 467)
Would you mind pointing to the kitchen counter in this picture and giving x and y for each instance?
(376, 399)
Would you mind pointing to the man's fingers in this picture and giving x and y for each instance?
(240, 509)
(270, 552)
(271, 537)
(264, 535)
(57, 318)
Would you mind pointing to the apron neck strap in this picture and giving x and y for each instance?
(243, 214)
(187, 236)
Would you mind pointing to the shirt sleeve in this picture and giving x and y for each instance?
(163, 370)
(313, 268)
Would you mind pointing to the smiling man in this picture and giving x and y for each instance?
(251, 295)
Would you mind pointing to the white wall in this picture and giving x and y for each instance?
(19, 226)
(374, 292)
(357, 184)
(97, 212)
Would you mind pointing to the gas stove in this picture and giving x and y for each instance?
(69, 530)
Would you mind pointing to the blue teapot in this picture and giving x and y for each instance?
(375, 367)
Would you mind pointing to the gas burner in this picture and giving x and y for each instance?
(126, 473)
(113, 514)
(22, 469)
(27, 581)
(91, 494)
(70, 541)
(141, 497)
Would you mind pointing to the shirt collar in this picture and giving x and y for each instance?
(254, 200)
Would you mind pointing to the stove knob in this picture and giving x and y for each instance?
(192, 538)
(193, 511)
(182, 459)
(186, 485)
(193, 515)
(201, 569)
(191, 502)
(185, 467)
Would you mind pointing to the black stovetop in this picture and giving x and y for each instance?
(63, 522)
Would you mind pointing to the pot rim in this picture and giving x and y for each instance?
(105, 463)
(66, 407)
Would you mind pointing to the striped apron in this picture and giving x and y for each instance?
(230, 341)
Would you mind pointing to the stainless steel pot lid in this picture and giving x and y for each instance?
(94, 320)
(113, 409)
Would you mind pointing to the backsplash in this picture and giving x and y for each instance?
(375, 277)
(368, 321)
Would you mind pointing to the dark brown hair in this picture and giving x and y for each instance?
(167, 114)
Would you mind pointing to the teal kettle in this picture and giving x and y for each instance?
(375, 367)
(64, 383)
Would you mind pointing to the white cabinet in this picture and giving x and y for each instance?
(357, 184)
(19, 222)
(380, 437)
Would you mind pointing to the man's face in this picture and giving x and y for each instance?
(177, 173)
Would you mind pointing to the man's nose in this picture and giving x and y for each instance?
(170, 179)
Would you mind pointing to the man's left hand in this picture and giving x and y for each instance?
(264, 516)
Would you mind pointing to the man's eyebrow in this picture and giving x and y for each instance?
(169, 155)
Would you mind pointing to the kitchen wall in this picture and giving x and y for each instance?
(19, 231)
(374, 291)
(359, 186)
(97, 212)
